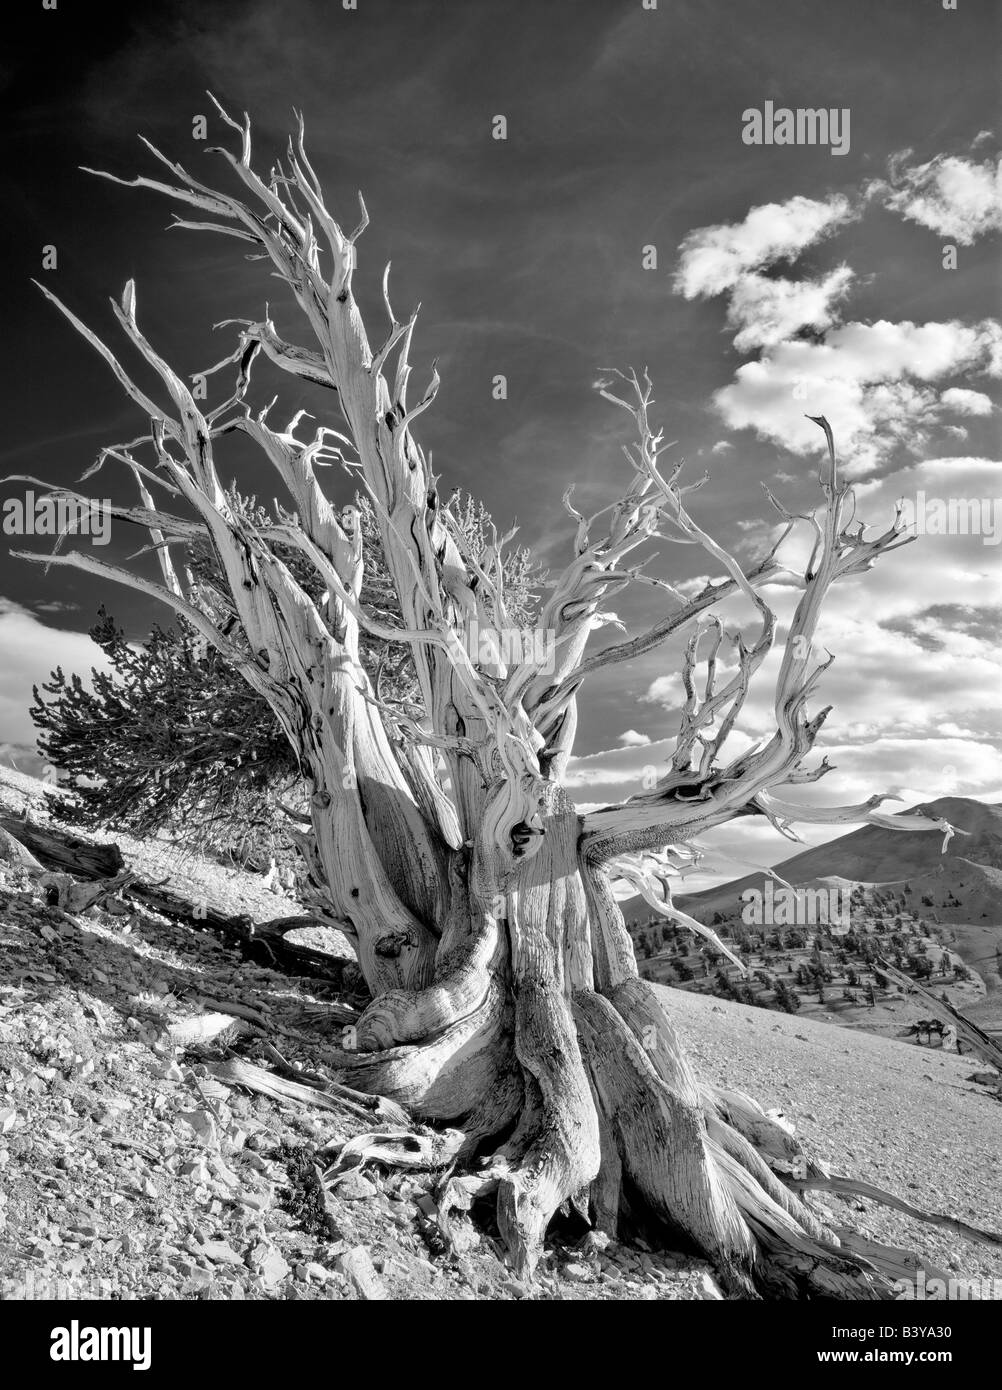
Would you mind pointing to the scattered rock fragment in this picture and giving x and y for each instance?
(358, 1266)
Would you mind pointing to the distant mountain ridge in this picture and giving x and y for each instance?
(22, 757)
(964, 883)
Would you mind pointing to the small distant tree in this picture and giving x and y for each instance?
(787, 999)
(722, 986)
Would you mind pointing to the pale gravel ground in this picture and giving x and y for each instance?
(901, 1117)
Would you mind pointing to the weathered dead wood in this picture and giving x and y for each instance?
(61, 851)
(13, 852)
(267, 943)
(63, 891)
(852, 1187)
(263, 942)
(204, 1028)
(423, 1150)
(894, 1263)
(322, 1094)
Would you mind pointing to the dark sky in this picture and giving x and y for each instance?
(624, 130)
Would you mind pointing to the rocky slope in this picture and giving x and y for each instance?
(129, 1170)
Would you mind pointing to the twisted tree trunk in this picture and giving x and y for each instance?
(506, 999)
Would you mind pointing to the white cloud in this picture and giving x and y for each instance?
(722, 446)
(876, 381)
(31, 651)
(689, 588)
(966, 402)
(664, 690)
(767, 311)
(954, 197)
(714, 259)
(632, 739)
(873, 380)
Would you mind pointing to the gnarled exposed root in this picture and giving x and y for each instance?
(555, 1149)
(768, 1133)
(444, 1077)
(697, 1173)
(608, 1114)
(661, 1141)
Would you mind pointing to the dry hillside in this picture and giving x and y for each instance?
(131, 1171)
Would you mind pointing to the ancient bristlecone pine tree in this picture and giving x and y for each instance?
(506, 1002)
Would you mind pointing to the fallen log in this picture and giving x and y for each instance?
(58, 850)
(264, 943)
(13, 852)
(63, 891)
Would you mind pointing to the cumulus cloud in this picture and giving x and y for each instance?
(876, 380)
(714, 259)
(664, 690)
(630, 738)
(957, 198)
(767, 311)
(966, 402)
(883, 383)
